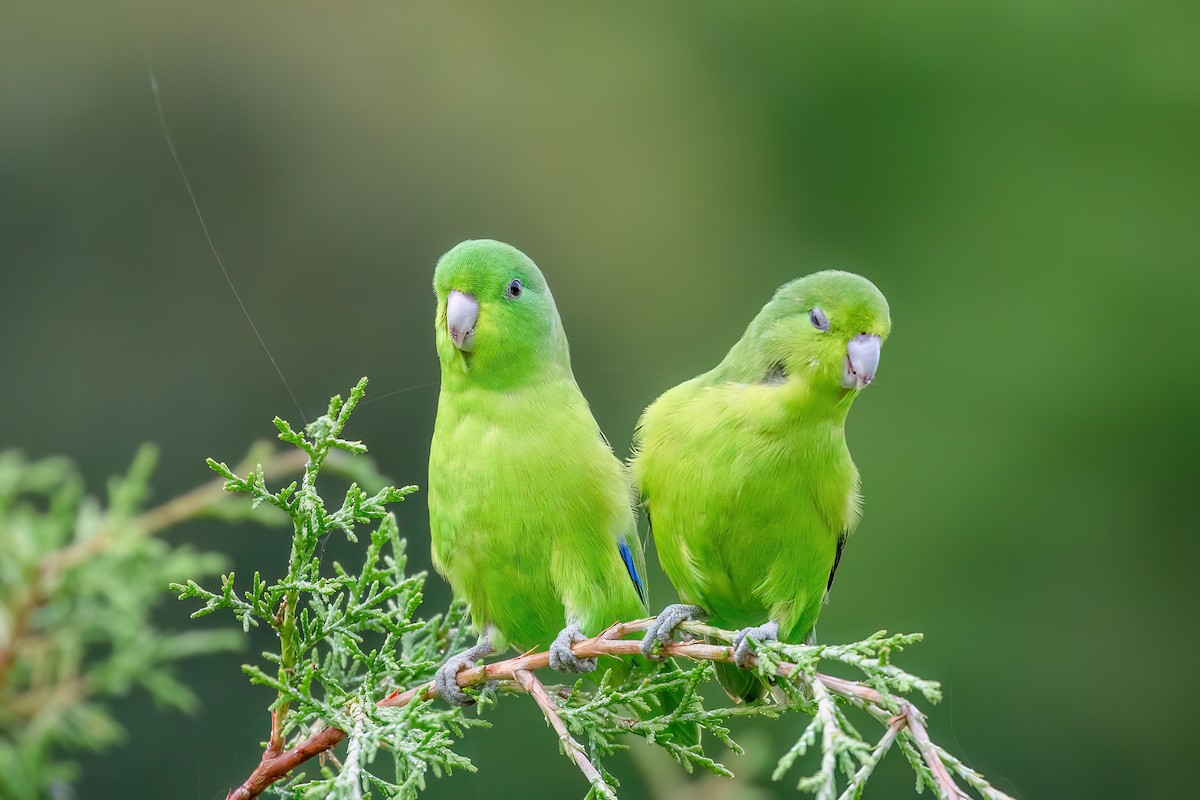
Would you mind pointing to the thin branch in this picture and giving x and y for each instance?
(947, 788)
(350, 774)
(34, 599)
(275, 743)
(611, 642)
(859, 781)
(172, 512)
(572, 748)
(826, 717)
(871, 701)
(971, 776)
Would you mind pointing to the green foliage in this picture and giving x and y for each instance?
(79, 578)
(841, 746)
(603, 714)
(345, 637)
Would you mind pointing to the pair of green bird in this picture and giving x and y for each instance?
(743, 470)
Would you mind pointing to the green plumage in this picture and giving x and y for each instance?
(527, 503)
(745, 470)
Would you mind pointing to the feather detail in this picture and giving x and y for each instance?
(747, 469)
(627, 557)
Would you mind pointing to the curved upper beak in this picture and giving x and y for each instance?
(462, 311)
(862, 360)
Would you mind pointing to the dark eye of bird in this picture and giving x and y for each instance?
(514, 288)
(818, 319)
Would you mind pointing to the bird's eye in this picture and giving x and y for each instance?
(818, 319)
(514, 289)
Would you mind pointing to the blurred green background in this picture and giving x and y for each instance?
(1020, 178)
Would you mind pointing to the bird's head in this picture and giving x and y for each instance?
(496, 318)
(830, 325)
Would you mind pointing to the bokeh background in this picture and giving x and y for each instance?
(1020, 178)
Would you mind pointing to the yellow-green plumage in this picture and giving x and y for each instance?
(530, 514)
(745, 471)
(528, 504)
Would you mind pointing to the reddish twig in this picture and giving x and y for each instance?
(275, 743)
(572, 748)
(946, 787)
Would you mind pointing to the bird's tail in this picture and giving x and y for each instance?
(668, 700)
(742, 685)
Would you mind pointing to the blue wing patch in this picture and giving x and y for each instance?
(627, 557)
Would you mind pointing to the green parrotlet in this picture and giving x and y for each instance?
(745, 472)
(531, 514)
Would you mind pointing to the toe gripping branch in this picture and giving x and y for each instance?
(446, 678)
(662, 629)
(563, 658)
(743, 639)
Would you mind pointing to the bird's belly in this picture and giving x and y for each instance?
(765, 553)
(505, 576)
(510, 510)
(782, 578)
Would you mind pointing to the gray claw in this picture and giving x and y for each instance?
(743, 638)
(663, 627)
(446, 678)
(562, 658)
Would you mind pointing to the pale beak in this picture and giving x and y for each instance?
(462, 311)
(862, 359)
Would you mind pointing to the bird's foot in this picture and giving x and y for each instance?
(664, 625)
(562, 658)
(446, 678)
(746, 636)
